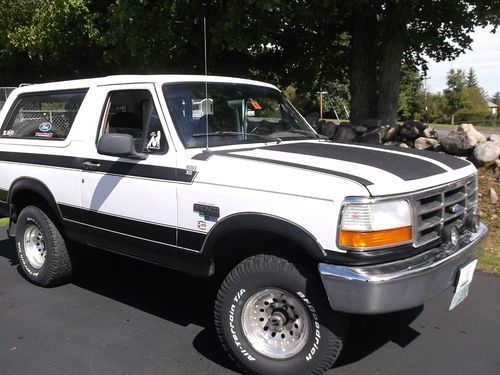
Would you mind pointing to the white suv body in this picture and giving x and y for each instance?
(264, 183)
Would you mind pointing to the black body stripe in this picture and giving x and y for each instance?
(360, 180)
(132, 169)
(405, 167)
(149, 231)
(450, 161)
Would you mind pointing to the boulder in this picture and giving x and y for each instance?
(403, 145)
(462, 140)
(360, 129)
(344, 134)
(493, 196)
(424, 143)
(375, 136)
(313, 120)
(391, 133)
(486, 153)
(430, 132)
(412, 129)
(392, 143)
(471, 132)
(328, 129)
(494, 138)
(371, 123)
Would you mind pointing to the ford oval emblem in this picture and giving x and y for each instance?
(45, 126)
(454, 209)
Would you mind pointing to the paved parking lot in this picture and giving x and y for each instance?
(124, 317)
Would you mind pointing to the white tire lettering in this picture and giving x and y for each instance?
(317, 333)
(236, 340)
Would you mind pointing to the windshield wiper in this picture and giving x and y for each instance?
(224, 134)
(305, 132)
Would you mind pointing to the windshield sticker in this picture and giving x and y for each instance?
(45, 126)
(44, 135)
(190, 169)
(255, 104)
(154, 141)
(8, 133)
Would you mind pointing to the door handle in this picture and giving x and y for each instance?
(91, 166)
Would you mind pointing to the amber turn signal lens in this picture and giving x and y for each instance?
(376, 238)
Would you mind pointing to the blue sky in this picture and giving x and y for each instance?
(484, 57)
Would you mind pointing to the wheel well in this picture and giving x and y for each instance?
(25, 197)
(241, 244)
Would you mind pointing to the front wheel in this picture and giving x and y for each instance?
(41, 248)
(272, 317)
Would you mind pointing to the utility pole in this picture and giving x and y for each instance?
(425, 92)
(321, 93)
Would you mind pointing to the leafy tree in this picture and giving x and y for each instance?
(464, 102)
(411, 100)
(46, 39)
(454, 93)
(472, 79)
(386, 33)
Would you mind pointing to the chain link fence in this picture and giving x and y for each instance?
(4, 94)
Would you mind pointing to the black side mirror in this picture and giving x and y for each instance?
(121, 145)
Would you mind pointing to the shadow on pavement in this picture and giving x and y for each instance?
(185, 300)
(369, 333)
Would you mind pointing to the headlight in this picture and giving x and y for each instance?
(366, 225)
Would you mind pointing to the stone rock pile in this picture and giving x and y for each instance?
(465, 141)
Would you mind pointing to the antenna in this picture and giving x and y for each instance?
(206, 78)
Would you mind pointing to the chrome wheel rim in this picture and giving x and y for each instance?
(34, 246)
(275, 323)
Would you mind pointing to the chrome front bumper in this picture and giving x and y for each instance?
(402, 284)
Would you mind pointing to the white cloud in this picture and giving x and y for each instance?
(484, 58)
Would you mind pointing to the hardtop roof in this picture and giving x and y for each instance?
(131, 79)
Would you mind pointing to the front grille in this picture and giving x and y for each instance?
(442, 206)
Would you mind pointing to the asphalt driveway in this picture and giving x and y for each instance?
(121, 316)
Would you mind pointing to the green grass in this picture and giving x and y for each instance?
(490, 260)
(4, 221)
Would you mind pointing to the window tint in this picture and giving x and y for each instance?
(133, 112)
(44, 115)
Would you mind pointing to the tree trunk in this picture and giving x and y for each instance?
(363, 79)
(393, 43)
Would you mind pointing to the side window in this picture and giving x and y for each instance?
(133, 112)
(44, 115)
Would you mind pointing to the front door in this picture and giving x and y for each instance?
(130, 206)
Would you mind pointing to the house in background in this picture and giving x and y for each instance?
(493, 108)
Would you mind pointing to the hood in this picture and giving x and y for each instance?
(383, 170)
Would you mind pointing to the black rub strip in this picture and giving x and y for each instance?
(132, 169)
(137, 228)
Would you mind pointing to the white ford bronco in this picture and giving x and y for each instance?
(223, 177)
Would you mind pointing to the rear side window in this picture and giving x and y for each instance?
(44, 115)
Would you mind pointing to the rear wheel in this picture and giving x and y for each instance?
(272, 318)
(41, 248)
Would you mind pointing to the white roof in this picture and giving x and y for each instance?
(126, 79)
(491, 104)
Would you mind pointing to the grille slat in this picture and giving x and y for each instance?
(441, 206)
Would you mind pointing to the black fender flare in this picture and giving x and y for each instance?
(35, 186)
(264, 222)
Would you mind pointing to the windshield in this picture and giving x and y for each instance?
(236, 113)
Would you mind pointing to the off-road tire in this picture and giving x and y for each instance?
(257, 275)
(56, 268)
